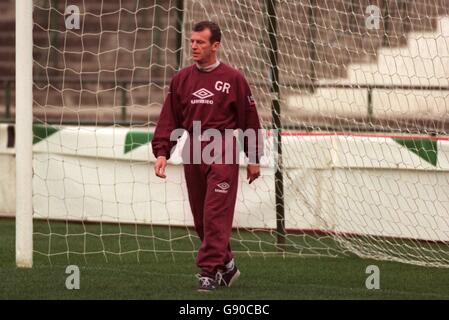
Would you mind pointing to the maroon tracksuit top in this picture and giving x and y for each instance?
(219, 99)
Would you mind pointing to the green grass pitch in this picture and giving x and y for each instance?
(157, 271)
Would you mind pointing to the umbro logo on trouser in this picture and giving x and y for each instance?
(222, 187)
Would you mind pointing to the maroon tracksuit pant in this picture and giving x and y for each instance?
(212, 190)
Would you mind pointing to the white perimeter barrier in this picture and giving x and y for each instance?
(394, 186)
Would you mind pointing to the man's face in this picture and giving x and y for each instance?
(202, 50)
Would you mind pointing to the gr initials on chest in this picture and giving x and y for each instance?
(222, 86)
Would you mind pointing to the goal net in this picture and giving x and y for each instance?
(362, 88)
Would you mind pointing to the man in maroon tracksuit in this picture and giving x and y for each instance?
(215, 96)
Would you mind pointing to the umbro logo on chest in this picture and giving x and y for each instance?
(202, 94)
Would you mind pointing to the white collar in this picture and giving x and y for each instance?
(210, 67)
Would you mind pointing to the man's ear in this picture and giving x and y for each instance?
(215, 46)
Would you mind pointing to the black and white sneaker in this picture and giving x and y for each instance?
(206, 284)
(228, 276)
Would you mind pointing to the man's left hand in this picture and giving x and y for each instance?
(252, 172)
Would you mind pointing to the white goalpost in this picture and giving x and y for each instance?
(24, 133)
(358, 91)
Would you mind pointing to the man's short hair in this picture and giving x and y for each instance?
(212, 26)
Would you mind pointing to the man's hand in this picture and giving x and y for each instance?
(159, 167)
(252, 172)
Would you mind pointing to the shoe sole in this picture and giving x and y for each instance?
(203, 290)
(235, 277)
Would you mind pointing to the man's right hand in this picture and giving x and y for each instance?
(159, 167)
